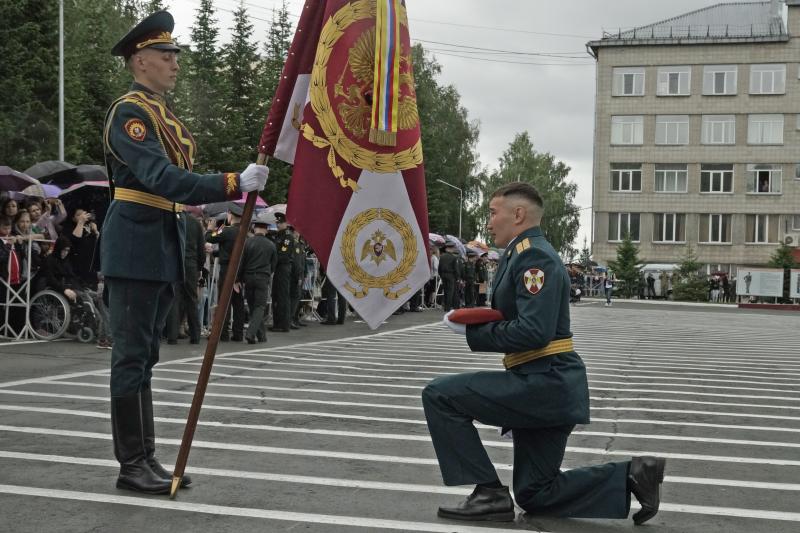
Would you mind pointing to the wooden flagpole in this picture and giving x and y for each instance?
(213, 339)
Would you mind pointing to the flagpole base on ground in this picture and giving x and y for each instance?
(176, 482)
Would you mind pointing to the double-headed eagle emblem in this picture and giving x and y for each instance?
(377, 248)
(356, 109)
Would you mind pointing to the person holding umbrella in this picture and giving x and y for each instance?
(149, 153)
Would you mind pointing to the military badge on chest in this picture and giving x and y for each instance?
(533, 280)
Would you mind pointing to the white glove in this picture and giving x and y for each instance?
(461, 329)
(254, 178)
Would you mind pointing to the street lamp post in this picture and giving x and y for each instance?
(461, 207)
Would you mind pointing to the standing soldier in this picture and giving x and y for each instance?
(186, 297)
(449, 273)
(481, 277)
(296, 277)
(470, 289)
(281, 312)
(149, 154)
(258, 262)
(540, 397)
(225, 238)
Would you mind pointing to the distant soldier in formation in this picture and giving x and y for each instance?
(225, 238)
(470, 275)
(296, 277)
(450, 272)
(281, 280)
(258, 262)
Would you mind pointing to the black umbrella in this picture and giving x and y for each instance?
(70, 176)
(44, 169)
(12, 180)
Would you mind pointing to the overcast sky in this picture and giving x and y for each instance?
(550, 96)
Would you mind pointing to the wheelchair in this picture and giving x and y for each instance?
(53, 315)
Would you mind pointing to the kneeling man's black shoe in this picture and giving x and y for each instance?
(484, 504)
(644, 480)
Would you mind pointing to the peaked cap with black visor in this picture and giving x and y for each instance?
(155, 31)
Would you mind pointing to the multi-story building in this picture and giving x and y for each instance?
(697, 136)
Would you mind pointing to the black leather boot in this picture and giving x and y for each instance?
(149, 437)
(484, 504)
(126, 428)
(644, 480)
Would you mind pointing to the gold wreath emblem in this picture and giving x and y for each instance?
(334, 138)
(393, 278)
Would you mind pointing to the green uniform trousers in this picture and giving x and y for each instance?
(256, 289)
(452, 404)
(138, 311)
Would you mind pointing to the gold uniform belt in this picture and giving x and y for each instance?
(145, 198)
(518, 358)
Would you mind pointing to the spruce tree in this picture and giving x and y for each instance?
(688, 284)
(276, 50)
(627, 267)
(243, 111)
(783, 258)
(29, 82)
(201, 93)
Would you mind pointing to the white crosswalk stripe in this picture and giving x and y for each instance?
(714, 392)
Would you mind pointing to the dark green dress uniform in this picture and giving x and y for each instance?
(470, 290)
(541, 400)
(225, 238)
(150, 154)
(281, 280)
(186, 290)
(258, 262)
(296, 276)
(450, 273)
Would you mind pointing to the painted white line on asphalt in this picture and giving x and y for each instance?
(310, 372)
(374, 485)
(399, 436)
(260, 476)
(247, 512)
(730, 512)
(294, 380)
(396, 459)
(700, 380)
(760, 429)
(592, 379)
(710, 369)
(260, 398)
(389, 419)
(263, 397)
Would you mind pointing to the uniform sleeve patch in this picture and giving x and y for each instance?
(533, 279)
(136, 129)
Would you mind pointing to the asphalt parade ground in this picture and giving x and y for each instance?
(322, 430)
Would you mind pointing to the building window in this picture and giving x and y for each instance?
(764, 179)
(626, 177)
(715, 229)
(761, 229)
(620, 224)
(719, 79)
(669, 227)
(672, 129)
(674, 81)
(716, 178)
(628, 82)
(671, 178)
(767, 79)
(765, 129)
(795, 222)
(719, 129)
(627, 130)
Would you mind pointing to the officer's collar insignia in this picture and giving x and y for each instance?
(136, 129)
(533, 280)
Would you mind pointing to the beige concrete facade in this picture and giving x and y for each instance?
(694, 205)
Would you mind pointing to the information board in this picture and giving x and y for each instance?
(759, 282)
